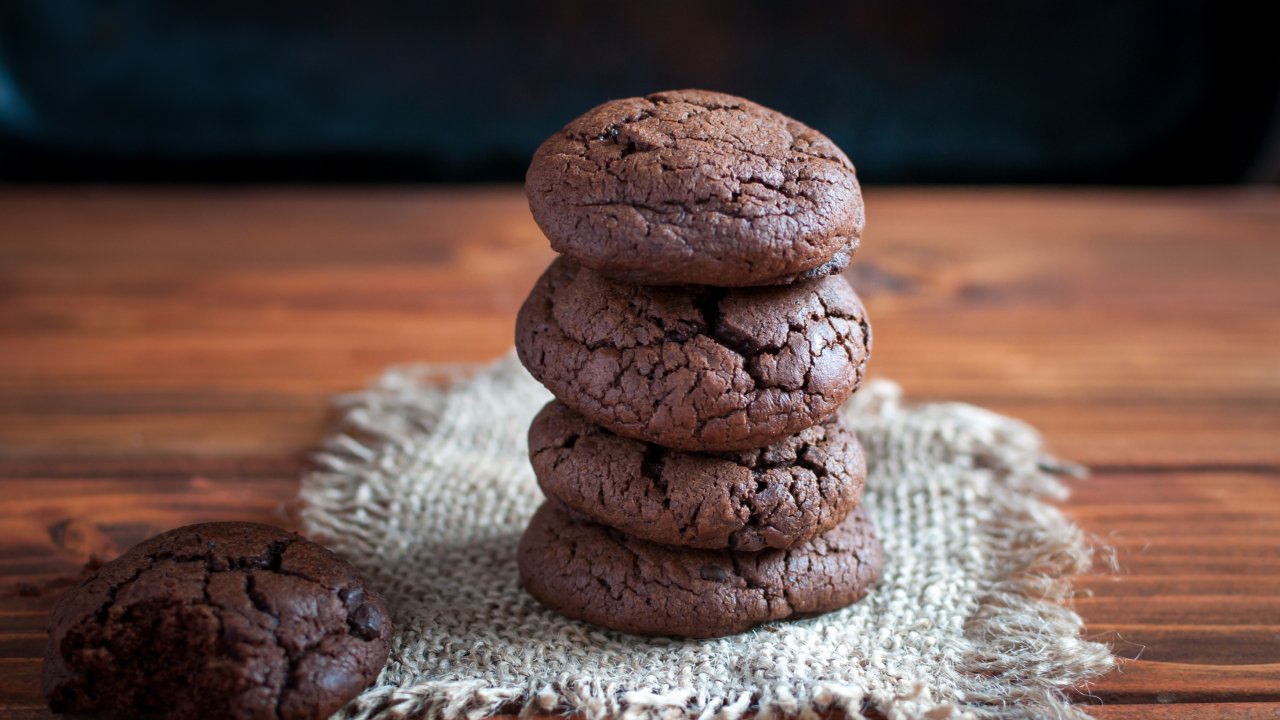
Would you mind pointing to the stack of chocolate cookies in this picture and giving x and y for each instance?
(699, 341)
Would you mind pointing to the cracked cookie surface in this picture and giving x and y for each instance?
(773, 497)
(601, 576)
(694, 367)
(691, 186)
(217, 620)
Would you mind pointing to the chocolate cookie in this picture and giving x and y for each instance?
(690, 186)
(694, 367)
(220, 620)
(593, 573)
(773, 497)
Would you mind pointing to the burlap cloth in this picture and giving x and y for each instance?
(426, 487)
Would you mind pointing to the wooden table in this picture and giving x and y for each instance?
(166, 355)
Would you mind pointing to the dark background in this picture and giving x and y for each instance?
(1142, 92)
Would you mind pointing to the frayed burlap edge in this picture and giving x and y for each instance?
(1025, 650)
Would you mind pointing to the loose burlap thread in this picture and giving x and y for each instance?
(426, 487)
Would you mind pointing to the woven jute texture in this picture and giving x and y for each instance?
(426, 487)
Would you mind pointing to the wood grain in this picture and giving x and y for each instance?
(166, 357)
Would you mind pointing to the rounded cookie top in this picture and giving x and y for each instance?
(229, 619)
(772, 497)
(691, 186)
(694, 367)
(592, 573)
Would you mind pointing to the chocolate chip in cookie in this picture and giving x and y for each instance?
(691, 186)
(219, 620)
